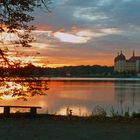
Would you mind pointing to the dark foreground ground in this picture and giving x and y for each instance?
(67, 128)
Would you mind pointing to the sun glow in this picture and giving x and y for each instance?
(8, 97)
(11, 90)
(75, 110)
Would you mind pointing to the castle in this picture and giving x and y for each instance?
(121, 64)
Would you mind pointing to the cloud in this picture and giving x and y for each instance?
(57, 36)
(75, 35)
(88, 14)
(111, 31)
(7, 37)
(70, 38)
(104, 26)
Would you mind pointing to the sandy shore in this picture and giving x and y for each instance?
(59, 128)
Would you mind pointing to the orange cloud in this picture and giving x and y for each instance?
(49, 42)
(44, 27)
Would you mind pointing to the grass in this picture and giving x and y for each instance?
(53, 127)
(97, 126)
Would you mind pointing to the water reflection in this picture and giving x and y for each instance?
(78, 95)
(127, 94)
(79, 111)
(81, 96)
(21, 89)
(88, 94)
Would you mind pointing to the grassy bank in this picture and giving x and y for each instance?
(51, 127)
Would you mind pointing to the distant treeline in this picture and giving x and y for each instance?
(81, 71)
(66, 71)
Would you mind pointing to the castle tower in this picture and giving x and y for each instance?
(133, 53)
(120, 62)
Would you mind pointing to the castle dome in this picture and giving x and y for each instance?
(120, 57)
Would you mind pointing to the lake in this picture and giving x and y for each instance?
(83, 95)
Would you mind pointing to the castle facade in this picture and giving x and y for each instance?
(121, 64)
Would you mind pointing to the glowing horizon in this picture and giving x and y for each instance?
(83, 33)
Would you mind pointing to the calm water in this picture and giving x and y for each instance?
(83, 95)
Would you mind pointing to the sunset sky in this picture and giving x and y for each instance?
(86, 32)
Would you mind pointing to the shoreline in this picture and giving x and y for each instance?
(135, 117)
(28, 79)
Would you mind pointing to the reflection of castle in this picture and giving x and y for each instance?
(121, 64)
(127, 92)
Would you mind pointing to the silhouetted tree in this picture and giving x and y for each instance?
(15, 16)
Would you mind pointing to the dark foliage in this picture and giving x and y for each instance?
(70, 71)
(15, 16)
